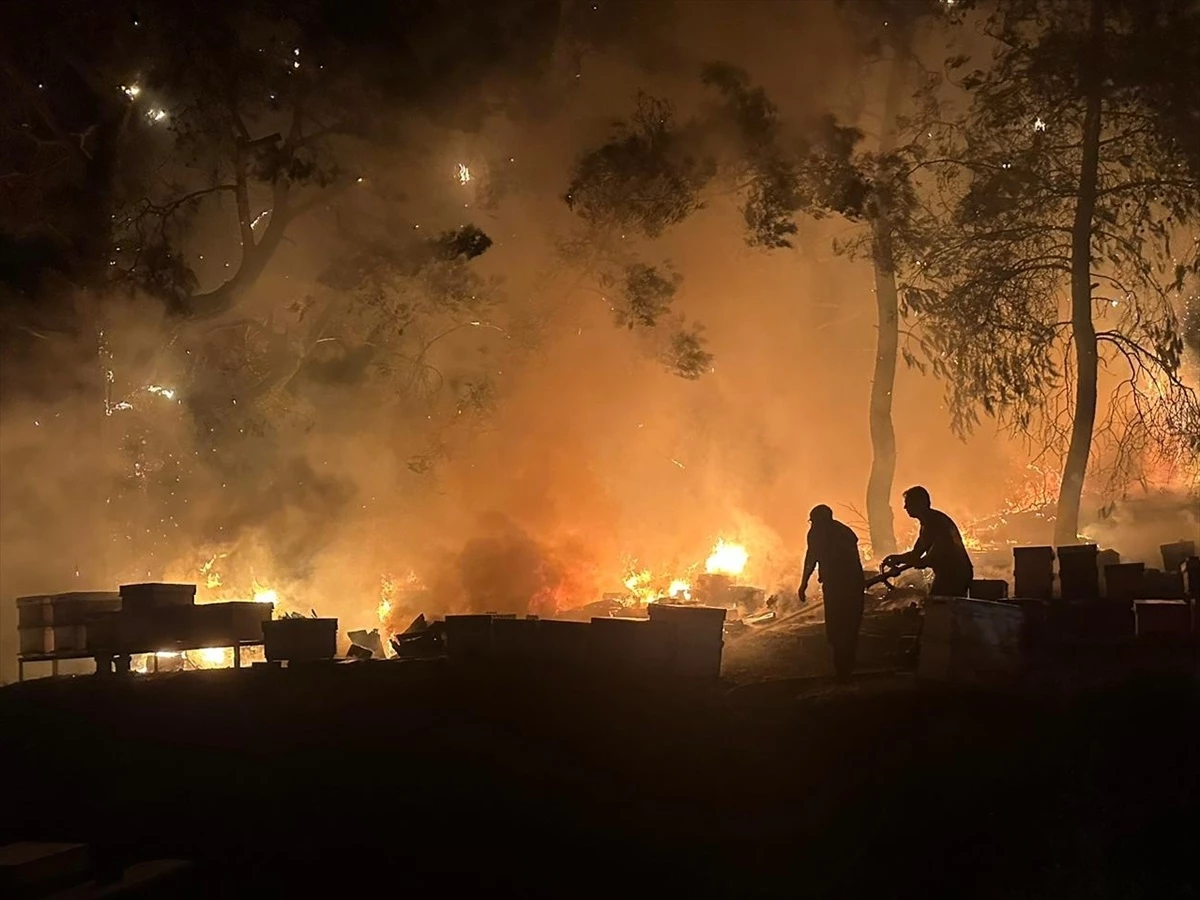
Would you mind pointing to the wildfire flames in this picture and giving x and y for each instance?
(398, 594)
(726, 559)
(265, 595)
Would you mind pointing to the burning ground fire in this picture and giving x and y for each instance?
(557, 583)
(562, 585)
(726, 559)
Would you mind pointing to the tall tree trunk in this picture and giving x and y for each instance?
(887, 341)
(883, 434)
(1083, 329)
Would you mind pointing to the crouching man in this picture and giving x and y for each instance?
(833, 550)
(939, 547)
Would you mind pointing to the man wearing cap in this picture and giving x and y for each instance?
(833, 549)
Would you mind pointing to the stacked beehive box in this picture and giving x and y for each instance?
(1033, 573)
(58, 624)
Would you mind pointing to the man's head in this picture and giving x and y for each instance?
(917, 502)
(820, 515)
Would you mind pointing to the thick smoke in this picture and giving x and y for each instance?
(1139, 527)
(533, 459)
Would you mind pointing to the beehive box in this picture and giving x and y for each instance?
(1163, 618)
(515, 639)
(34, 612)
(140, 598)
(1079, 571)
(563, 642)
(224, 624)
(971, 641)
(300, 640)
(469, 638)
(993, 589)
(77, 607)
(1123, 581)
(1033, 572)
(631, 645)
(699, 637)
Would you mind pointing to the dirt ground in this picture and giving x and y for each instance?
(402, 777)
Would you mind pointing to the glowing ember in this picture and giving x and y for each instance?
(464, 174)
(726, 559)
(131, 91)
(168, 393)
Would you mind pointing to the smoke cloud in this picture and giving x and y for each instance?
(516, 452)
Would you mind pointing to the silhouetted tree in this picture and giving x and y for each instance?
(888, 29)
(130, 132)
(1074, 175)
(645, 178)
(655, 171)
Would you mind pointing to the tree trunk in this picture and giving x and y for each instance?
(883, 435)
(887, 341)
(1083, 329)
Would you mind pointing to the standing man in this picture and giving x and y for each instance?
(939, 547)
(833, 548)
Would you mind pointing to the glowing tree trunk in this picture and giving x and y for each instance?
(883, 382)
(1083, 329)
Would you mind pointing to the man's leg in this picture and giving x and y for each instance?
(848, 603)
(832, 629)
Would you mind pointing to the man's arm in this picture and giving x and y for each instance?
(913, 557)
(810, 565)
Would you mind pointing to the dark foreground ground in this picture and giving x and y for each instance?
(414, 777)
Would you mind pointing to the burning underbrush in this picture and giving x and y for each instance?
(505, 570)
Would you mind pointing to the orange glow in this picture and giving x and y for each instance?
(726, 559)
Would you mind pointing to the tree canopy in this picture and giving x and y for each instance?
(1072, 181)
